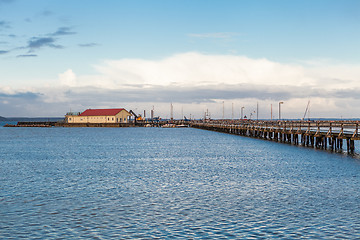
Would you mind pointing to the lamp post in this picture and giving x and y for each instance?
(232, 111)
(242, 111)
(280, 109)
(223, 108)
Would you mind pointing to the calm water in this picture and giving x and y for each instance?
(145, 183)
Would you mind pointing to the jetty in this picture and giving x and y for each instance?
(315, 134)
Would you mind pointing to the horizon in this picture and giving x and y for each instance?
(227, 119)
(216, 56)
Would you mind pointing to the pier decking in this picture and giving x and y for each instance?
(316, 134)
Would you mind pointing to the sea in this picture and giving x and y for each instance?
(171, 183)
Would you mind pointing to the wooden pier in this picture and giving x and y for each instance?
(316, 134)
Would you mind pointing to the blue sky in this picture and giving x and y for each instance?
(109, 50)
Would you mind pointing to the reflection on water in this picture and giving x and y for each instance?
(106, 183)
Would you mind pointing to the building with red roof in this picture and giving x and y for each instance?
(113, 115)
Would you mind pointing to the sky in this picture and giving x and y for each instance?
(206, 55)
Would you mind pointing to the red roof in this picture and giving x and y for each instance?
(101, 112)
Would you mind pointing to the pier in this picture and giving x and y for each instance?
(315, 134)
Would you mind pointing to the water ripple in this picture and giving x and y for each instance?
(135, 183)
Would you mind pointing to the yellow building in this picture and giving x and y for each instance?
(116, 115)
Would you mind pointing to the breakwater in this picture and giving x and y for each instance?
(32, 124)
(316, 134)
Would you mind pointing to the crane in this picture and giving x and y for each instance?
(306, 110)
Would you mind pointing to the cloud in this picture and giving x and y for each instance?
(36, 43)
(257, 78)
(4, 24)
(88, 45)
(40, 42)
(22, 103)
(68, 78)
(346, 93)
(160, 94)
(195, 78)
(6, 1)
(26, 55)
(46, 13)
(19, 95)
(195, 69)
(201, 81)
(221, 35)
(63, 31)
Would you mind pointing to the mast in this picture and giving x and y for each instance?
(171, 112)
(232, 111)
(223, 116)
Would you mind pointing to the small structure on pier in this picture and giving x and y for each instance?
(115, 115)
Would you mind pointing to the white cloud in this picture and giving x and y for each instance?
(195, 69)
(223, 35)
(68, 78)
(198, 82)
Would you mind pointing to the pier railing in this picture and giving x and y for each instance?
(319, 134)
